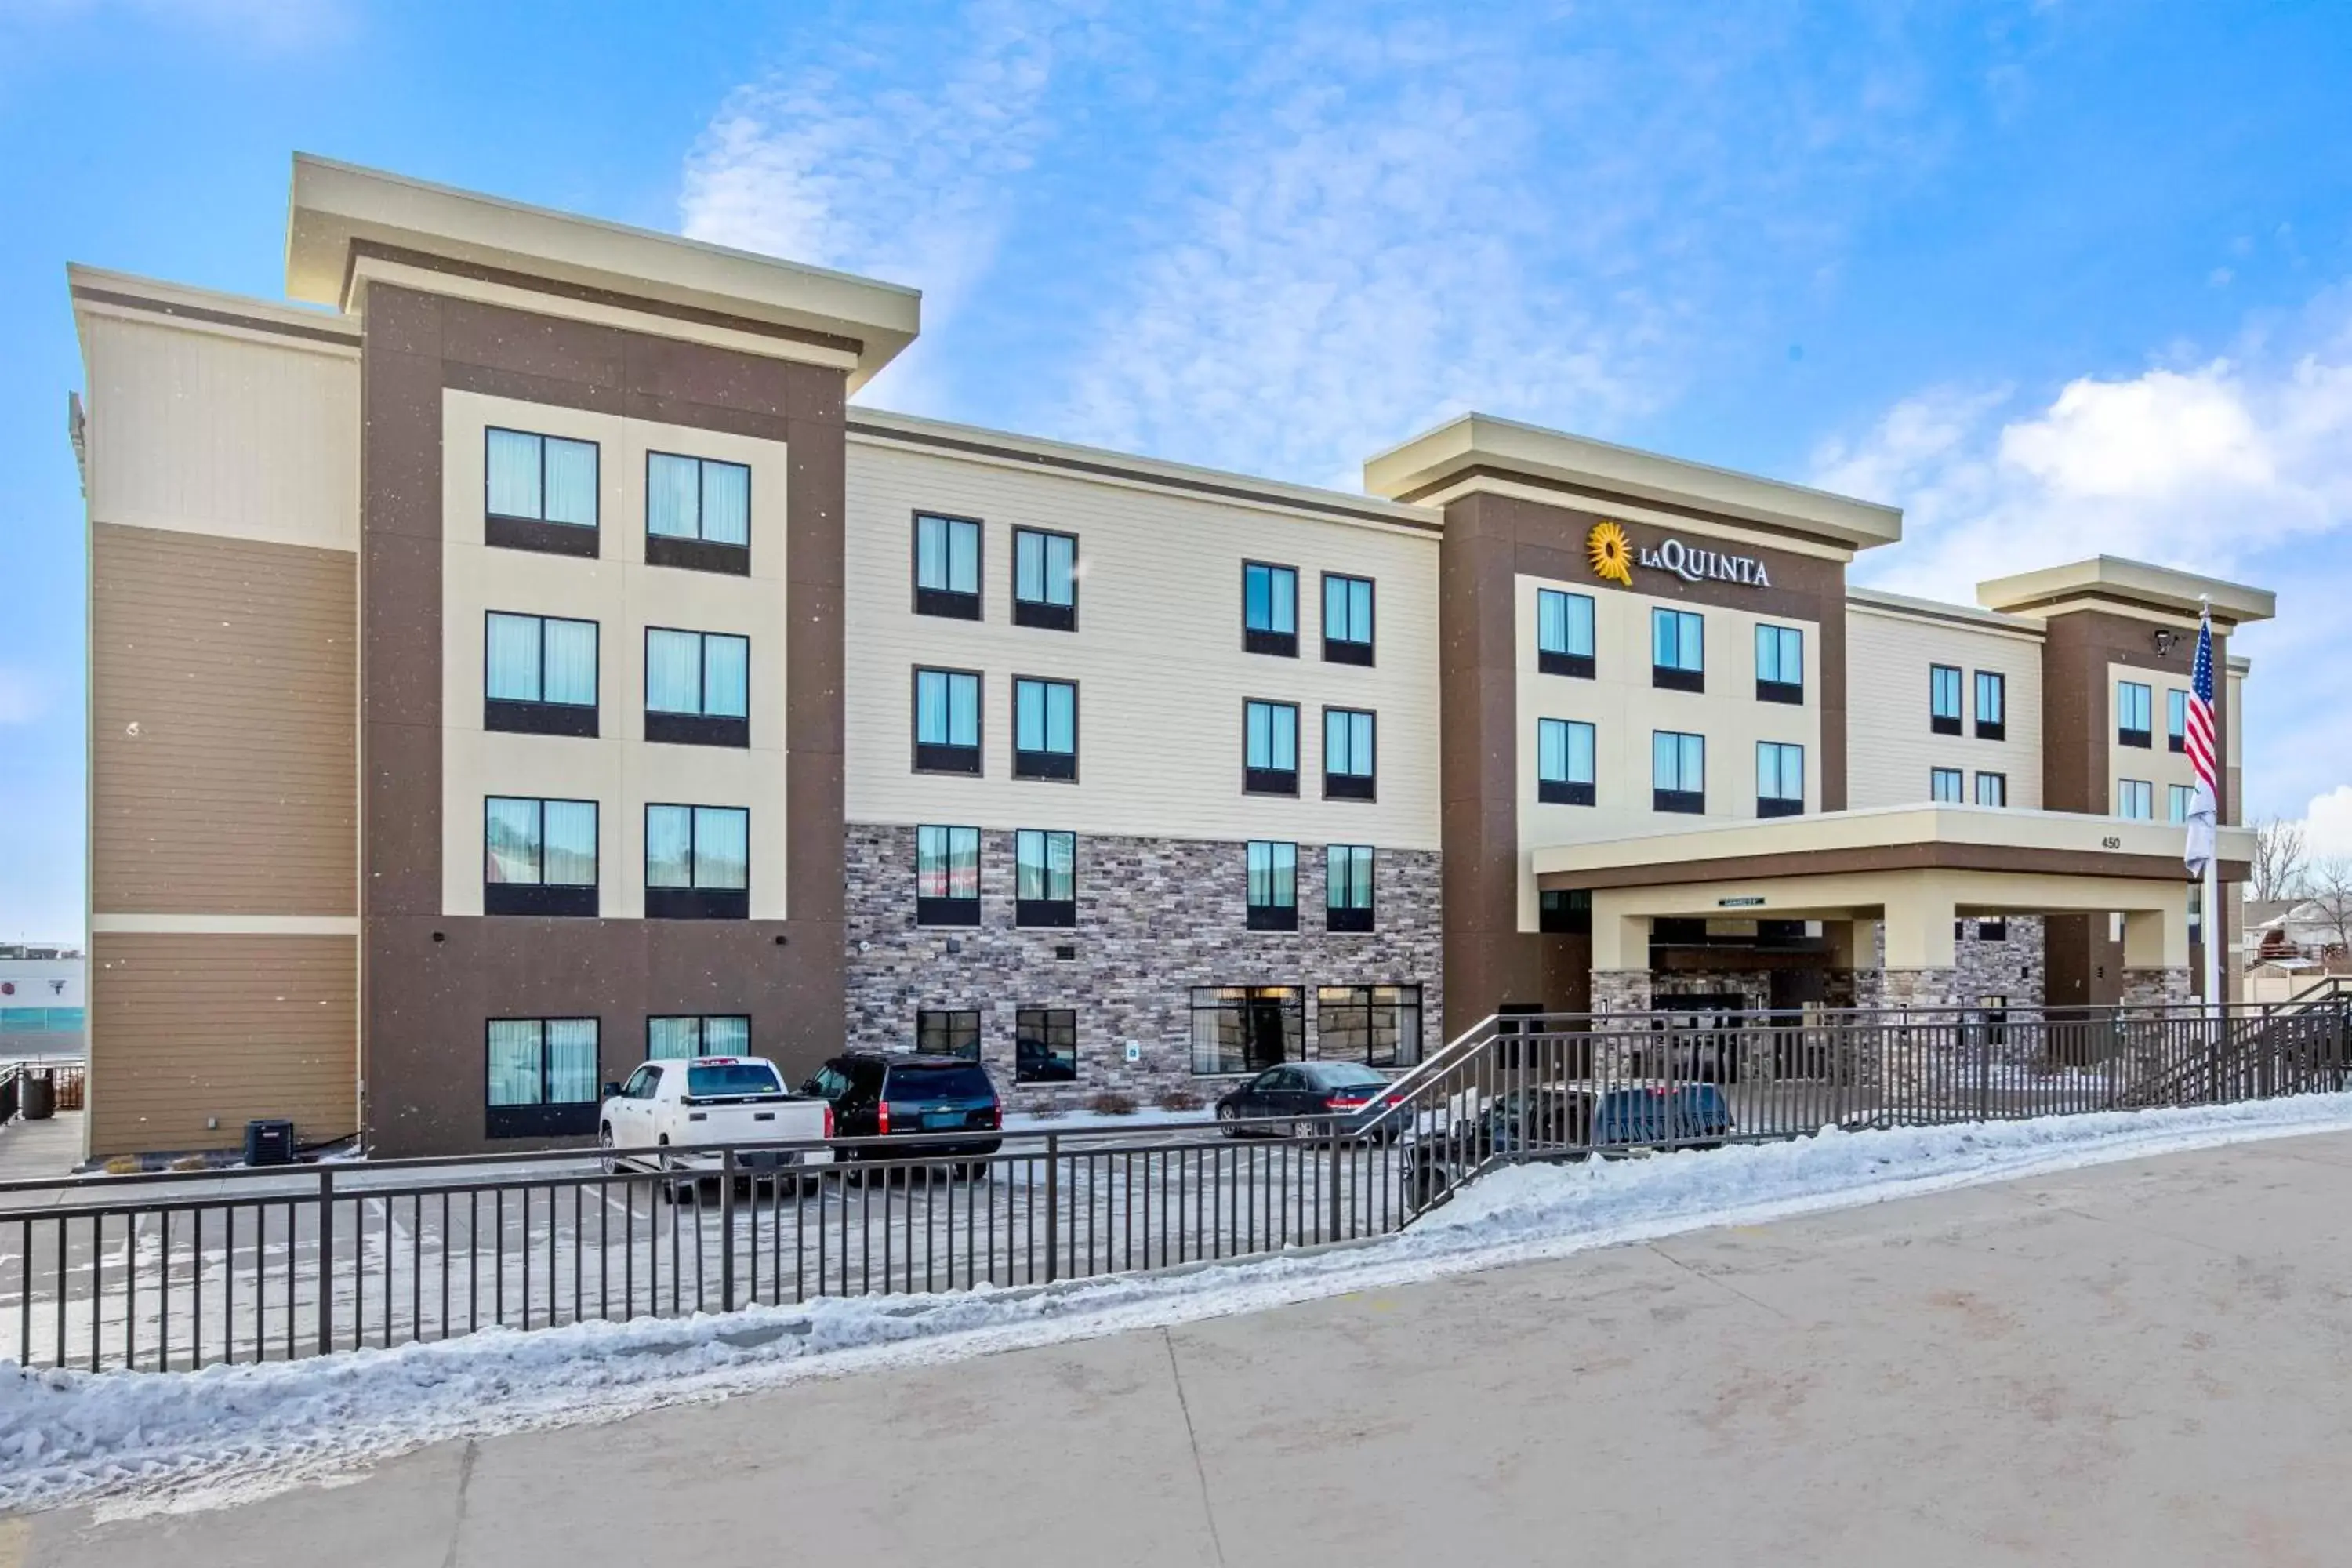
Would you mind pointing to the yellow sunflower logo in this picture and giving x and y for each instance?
(1610, 553)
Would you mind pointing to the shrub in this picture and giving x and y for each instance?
(1179, 1099)
(1112, 1102)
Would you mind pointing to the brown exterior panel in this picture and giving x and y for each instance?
(1935, 856)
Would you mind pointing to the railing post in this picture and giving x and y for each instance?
(326, 1259)
(1053, 1206)
(1333, 1203)
(727, 1228)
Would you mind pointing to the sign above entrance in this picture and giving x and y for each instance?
(1748, 904)
(1614, 557)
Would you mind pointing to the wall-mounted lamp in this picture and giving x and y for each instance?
(2166, 640)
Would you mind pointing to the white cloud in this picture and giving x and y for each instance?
(2327, 823)
(21, 696)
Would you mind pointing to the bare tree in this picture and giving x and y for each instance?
(2280, 857)
(2329, 885)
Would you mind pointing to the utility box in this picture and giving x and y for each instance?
(269, 1141)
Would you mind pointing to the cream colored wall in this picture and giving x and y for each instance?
(1889, 749)
(1156, 655)
(212, 431)
(1624, 708)
(2159, 764)
(2233, 759)
(619, 770)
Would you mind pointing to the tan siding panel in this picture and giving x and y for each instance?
(222, 746)
(187, 1028)
(1890, 750)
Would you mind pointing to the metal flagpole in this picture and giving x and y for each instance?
(2203, 852)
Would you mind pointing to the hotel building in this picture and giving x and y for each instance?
(520, 655)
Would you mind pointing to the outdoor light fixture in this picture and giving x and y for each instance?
(2165, 641)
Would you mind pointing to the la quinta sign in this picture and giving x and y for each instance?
(1614, 557)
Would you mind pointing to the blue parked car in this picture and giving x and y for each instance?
(1689, 1113)
(1557, 1122)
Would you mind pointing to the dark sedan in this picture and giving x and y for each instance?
(1308, 1097)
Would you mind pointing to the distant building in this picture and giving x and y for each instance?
(42, 1001)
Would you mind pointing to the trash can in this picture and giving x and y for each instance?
(40, 1090)
(269, 1141)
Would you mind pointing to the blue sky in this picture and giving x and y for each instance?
(2057, 278)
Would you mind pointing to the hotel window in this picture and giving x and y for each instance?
(1378, 1026)
(2136, 800)
(947, 876)
(1992, 705)
(538, 675)
(542, 1078)
(1779, 779)
(2132, 713)
(1677, 650)
(724, 1036)
(948, 1031)
(1347, 886)
(1245, 1028)
(697, 514)
(1944, 699)
(1044, 1045)
(1779, 665)
(1045, 879)
(1564, 911)
(1944, 786)
(947, 722)
(1347, 771)
(538, 857)
(1269, 609)
(1992, 789)
(1044, 729)
(539, 492)
(1045, 580)
(1272, 886)
(697, 687)
(946, 567)
(1270, 748)
(2180, 800)
(698, 863)
(1347, 619)
(1564, 773)
(1678, 773)
(2175, 720)
(1564, 633)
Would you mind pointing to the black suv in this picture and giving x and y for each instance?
(890, 1094)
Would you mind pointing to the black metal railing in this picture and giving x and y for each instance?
(180, 1270)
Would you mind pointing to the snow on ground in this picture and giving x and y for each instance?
(139, 1442)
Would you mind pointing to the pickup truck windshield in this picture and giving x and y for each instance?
(732, 1078)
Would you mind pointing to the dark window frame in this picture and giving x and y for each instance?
(510, 715)
(1043, 614)
(2175, 737)
(1039, 1024)
(1048, 765)
(1288, 1003)
(1977, 793)
(948, 1028)
(2142, 737)
(701, 728)
(1997, 728)
(1270, 781)
(1567, 661)
(1564, 911)
(507, 530)
(1352, 917)
(1351, 786)
(1567, 791)
(702, 1022)
(1959, 778)
(1770, 805)
(571, 900)
(699, 554)
(1788, 692)
(1350, 650)
(691, 902)
(1678, 801)
(1939, 722)
(1047, 913)
(1278, 645)
(1677, 677)
(547, 1117)
(948, 910)
(1270, 917)
(948, 604)
(965, 761)
(1399, 1053)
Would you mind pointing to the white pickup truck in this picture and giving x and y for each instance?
(679, 1101)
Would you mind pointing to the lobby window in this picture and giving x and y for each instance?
(1044, 729)
(1779, 779)
(1246, 1028)
(540, 492)
(726, 1035)
(1347, 619)
(1564, 633)
(2180, 800)
(1272, 886)
(1992, 705)
(2136, 800)
(2175, 720)
(947, 722)
(542, 1078)
(1564, 769)
(1564, 911)
(948, 1031)
(697, 687)
(2132, 703)
(1045, 580)
(1270, 748)
(947, 876)
(1678, 773)
(1347, 886)
(1678, 650)
(1779, 665)
(538, 675)
(1944, 699)
(1045, 879)
(1378, 1026)
(1348, 773)
(1270, 609)
(1044, 1045)
(1992, 789)
(698, 863)
(538, 857)
(1944, 786)
(697, 514)
(946, 567)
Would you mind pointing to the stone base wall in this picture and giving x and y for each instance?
(2015, 967)
(1918, 988)
(1752, 986)
(1620, 990)
(1156, 917)
(2158, 988)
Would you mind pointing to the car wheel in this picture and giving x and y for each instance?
(604, 1142)
(1228, 1120)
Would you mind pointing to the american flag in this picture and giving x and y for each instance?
(2203, 810)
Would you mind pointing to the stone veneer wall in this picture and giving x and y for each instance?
(1156, 918)
(2015, 968)
(2158, 987)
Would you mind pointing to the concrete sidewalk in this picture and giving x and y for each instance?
(2145, 1363)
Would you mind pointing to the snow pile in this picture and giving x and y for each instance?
(148, 1441)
